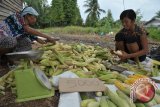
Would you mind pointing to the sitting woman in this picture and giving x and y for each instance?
(16, 33)
(132, 39)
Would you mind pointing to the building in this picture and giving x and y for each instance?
(7, 7)
(154, 22)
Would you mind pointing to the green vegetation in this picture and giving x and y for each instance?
(154, 33)
(70, 30)
(63, 17)
(60, 13)
(77, 30)
(94, 11)
(158, 14)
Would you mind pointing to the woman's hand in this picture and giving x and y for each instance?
(51, 40)
(40, 41)
(124, 55)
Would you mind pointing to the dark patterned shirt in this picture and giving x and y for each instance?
(13, 26)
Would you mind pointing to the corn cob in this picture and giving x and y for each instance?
(158, 91)
(110, 103)
(62, 66)
(103, 102)
(81, 74)
(116, 99)
(102, 67)
(57, 72)
(137, 76)
(98, 94)
(157, 98)
(84, 103)
(108, 76)
(123, 87)
(130, 81)
(42, 67)
(121, 77)
(50, 71)
(68, 62)
(133, 76)
(110, 81)
(140, 105)
(53, 63)
(125, 97)
(85, 69)
(90, 60)
(77, 58)
(58, 56)
(80, 64)
(93, 104)
(151, 103)
(101, 73)
(45, 62)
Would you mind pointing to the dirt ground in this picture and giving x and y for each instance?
(9, 101)
(106, 41)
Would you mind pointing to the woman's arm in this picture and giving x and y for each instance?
(32, 31)
(144, 43)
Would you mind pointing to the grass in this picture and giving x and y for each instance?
(70, 30)
(154, 33)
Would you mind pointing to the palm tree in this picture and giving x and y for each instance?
(158, 14)
(93, 10)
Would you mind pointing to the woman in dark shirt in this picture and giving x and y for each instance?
(132, 39)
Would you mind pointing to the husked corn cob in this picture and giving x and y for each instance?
(90, 60)
(80, 64)
(133, 76)
(140, 76)
(123, 87)
(130, 81)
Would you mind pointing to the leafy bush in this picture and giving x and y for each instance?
(154, 33)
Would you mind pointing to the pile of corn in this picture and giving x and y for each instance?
(133, 78)
(125, 85)
(7, 81)
(118, 99)
(84, 60)
(154, 70)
